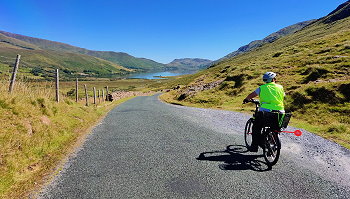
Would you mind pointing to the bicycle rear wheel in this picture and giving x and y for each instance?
(248, 133)
(272, 147)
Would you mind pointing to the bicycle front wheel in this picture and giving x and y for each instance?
(272, 147)
(248, 136)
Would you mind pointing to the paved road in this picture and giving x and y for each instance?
(148, 149)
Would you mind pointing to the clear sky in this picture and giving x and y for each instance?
(161, 30)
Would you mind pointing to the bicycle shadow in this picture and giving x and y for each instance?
(234, 158)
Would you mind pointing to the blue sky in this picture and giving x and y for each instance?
(161, 30)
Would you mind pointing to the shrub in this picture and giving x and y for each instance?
(36, 71)
(326, 50)
(71, 92)
(238, 79)
(225, 85)
(314, 74)
(277, 54)
(182, 97)
(298, 100)
(345, 90)
(337, 128)
(43, 106)
(323, 95)
(3, 104)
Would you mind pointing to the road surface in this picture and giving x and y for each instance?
(145, 148)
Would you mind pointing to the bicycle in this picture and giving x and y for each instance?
(270, 142)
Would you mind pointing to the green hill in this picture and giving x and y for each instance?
(189, 64)
(128, 61)
(312, 64)
(37, 63)
(119, 58)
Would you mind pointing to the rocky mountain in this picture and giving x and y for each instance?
(269, 39)
(342, 12)
(190, 64)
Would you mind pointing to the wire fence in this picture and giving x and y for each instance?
(23, 83)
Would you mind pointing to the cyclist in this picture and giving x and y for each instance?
(271, 99)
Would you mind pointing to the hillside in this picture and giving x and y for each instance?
(312, 64)
(190, 64)
(269, 39)
(37, 63)
(128, 61)
(119, 58)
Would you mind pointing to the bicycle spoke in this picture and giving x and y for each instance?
(272, 148)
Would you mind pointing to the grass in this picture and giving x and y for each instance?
(36, 132)
(313, 65)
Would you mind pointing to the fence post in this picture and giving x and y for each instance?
(14, 73)
(86, 96)
(76, 90)
(57, 86)
(103, 95)
(94, 95)
(99, 96)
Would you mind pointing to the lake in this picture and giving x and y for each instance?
(158, 75)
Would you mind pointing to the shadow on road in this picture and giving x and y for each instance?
(235, 158)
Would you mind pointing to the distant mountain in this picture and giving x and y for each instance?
(342, 12)
(120, 58)
(269, 39)
(128, 61)
(40, 63)
(189, 64)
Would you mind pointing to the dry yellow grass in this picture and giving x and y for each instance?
(36, 133)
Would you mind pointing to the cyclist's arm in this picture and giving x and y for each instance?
(251, 95)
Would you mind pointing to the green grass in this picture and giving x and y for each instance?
(313, 65)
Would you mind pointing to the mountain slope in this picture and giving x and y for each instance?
(13, 42)
(119, 58)
(312, 64)
(343, 11)
(269, 39)
(127, 60)
(191, 64)
(40, 64)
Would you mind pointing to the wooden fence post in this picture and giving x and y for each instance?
(76, 90)
(94, 95)
(57, 86)
(14, 73)
(99, 96)
(103, 95)
(86, 96)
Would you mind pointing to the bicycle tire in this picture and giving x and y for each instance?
(248, 130)
(272, 147)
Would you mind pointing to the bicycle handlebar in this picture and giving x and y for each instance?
(255, 101)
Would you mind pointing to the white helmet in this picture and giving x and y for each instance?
(269, 76)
